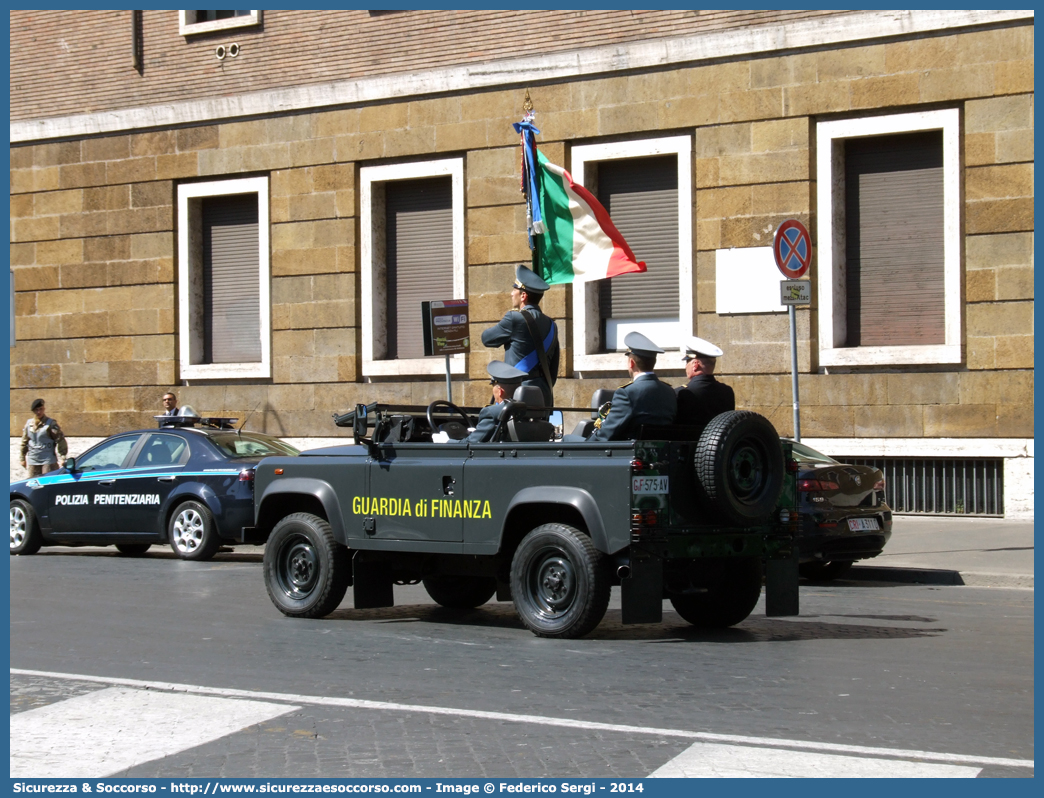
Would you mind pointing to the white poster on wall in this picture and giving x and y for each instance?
(747, 281)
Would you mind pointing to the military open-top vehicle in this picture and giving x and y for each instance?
(695, 515)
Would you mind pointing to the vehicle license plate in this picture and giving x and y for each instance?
(863, 524)
(649, 484)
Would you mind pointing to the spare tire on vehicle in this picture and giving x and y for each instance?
(739, 468)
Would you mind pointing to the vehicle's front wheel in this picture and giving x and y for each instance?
(306, 570)
(825, 571)
(133, 549)
(460, 592)
(560, 582)
(726, 593)
(25, 532)
(192, 532)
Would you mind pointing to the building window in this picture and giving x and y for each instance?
(193, 22)
(223, 279)
(889, 241)
(412, 220)
(647, 188)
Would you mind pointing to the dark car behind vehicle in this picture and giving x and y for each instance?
(188, 483)
(844, 516)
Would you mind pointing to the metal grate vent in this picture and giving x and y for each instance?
(943, 486)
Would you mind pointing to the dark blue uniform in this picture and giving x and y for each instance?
(704, 398)
(512, 333)
(646, 400)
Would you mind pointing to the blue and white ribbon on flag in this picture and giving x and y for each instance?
(529, 176)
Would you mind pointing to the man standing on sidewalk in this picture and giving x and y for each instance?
(41, 437)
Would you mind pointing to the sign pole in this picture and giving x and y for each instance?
(792, 251)
(794, 372)
(449, 385)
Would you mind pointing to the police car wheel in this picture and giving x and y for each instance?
(192, 533)
(559, 582)
(725, 593)
(739, 467)
(25, 532)
(460, 592)
(133, 549)
(306, 570)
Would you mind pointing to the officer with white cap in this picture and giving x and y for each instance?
(704, 397)
(644, 400)
(530, 337)
(504, 379)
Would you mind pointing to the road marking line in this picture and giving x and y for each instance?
(712, 760)
(105, 732)
(356, 703)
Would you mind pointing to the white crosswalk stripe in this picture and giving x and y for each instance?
(108, 731)
(711, 760)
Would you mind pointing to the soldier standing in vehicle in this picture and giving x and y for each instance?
(704, 397)
(530, 337)
(504, 379)
(644, 400)
(43, 443)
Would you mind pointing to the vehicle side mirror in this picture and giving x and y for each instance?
(70, 464)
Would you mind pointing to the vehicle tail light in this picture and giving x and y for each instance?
(792, 465)
(807, 485)
(637, 466)
(644, 518)
(246, 475)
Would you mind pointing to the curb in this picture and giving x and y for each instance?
(932, 576)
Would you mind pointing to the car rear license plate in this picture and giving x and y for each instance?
(863, 524)
(649, 484)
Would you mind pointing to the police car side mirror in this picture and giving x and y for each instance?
(70, 464)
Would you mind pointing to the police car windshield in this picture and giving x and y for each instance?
(247, 445)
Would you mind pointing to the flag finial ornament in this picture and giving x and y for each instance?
(527, 105)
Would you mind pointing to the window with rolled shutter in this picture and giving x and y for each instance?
(419, 217)
(231, 281)
(894, 228)
(641, 196)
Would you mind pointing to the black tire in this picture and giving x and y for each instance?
(192, 532)
(306, 570)
(133, 549)
(460, 592)
(739, 468)
(732, 592)
(559, 582)
(824, 571)
(25, 531)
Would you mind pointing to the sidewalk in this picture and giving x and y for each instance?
(989, 552)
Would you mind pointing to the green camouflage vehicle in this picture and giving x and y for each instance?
(699, 516)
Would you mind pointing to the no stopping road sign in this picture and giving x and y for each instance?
(792, 249)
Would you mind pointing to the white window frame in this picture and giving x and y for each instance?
(186, 28)
(190, 270)
(586, 354)
(372, 222)
(830, 137)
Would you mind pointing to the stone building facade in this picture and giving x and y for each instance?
(137, 125)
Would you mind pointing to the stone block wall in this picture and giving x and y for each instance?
(93, 239)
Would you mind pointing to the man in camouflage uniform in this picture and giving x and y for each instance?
(43, 443)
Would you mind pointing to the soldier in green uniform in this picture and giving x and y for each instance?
(43, 443)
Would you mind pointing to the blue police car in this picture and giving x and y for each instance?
(190, 483)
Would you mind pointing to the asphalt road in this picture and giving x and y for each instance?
(917, 668)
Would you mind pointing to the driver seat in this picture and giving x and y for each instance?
(529, 423)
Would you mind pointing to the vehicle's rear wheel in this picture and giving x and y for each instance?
(739, 467)
(729, 592)
(306, 570)
(192, 532)
(25, 532)
(560, 582)
(133, 549)
(823, 571)
(460, 592)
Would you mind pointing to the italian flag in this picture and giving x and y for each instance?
(579, 241)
